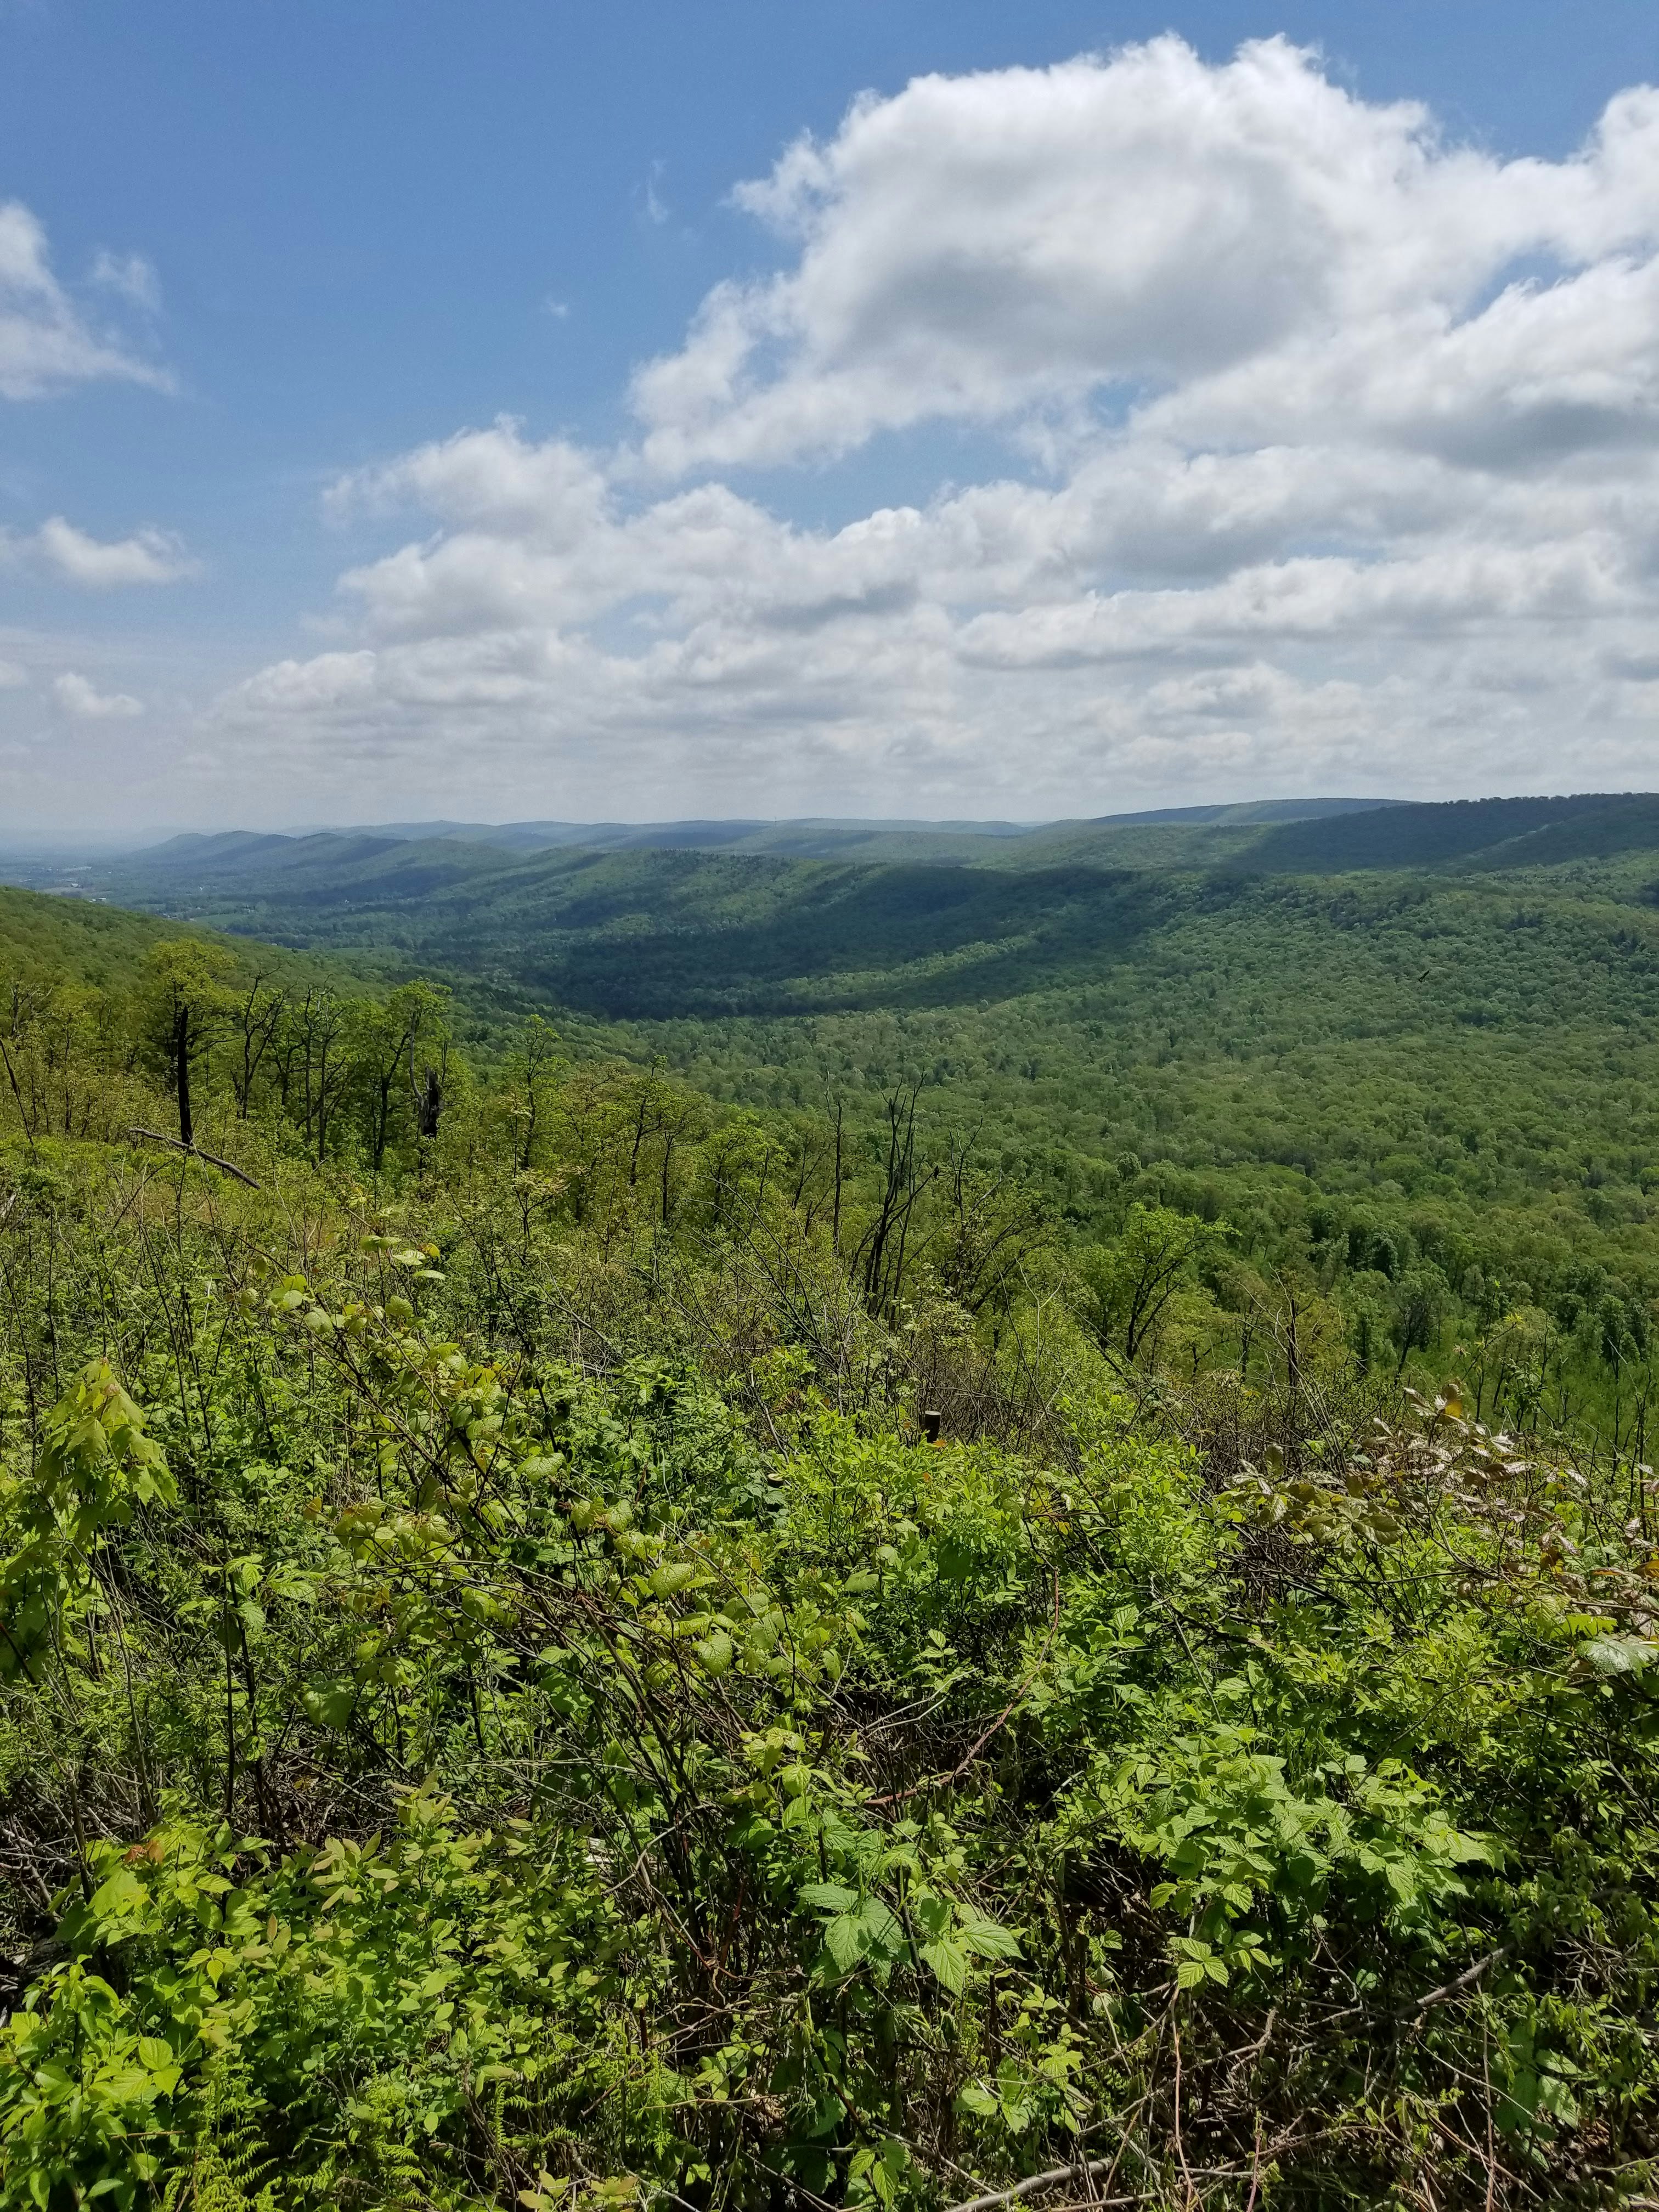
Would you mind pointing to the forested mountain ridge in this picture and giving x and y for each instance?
(811, 838)
(194, 870)
(999, 1595)
(1451, 1066)
(1480, 833)
(764, 923)
(1317, 836)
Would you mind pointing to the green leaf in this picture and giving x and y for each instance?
(987, 1938)
(949, 1962)
(122, 1896)
(843, 1939)
(854, 1935)
(933, 1912)
(829, 1897)
(1619, 1654)
(330, 1708)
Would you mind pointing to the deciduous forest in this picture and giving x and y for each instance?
(759, 1529)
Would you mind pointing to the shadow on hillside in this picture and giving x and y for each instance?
(854, 939)
(1477, 833)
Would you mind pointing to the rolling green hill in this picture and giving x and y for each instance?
(1479, 833)
(240, 871)
(44, 938)
(812, 838)
(1442, 1018)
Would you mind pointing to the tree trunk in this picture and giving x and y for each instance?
(382, 1118)
(428, 1104)
(181, 1070)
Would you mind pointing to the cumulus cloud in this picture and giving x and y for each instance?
(1030, 238)
(148, 557)
(80, 698)
(1328, 456)
(46, 341)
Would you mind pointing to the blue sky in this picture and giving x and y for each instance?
(300, 244)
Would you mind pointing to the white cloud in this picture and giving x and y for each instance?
(983, 245)
(130, 275)
(12, 677)
(1330, 457)
(148, 557)
(76, 696)
(45, 342)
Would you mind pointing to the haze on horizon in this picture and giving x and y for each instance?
(908, 414)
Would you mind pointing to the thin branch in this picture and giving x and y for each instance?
(22, 1110)
(1051, 2179)
(1443, 1995)
(195, 1152)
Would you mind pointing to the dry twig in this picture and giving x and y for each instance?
(195, 1152)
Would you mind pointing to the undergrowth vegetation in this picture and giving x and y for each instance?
(606, 1657)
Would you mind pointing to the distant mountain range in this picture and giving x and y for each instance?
(253, 878)
(706, 918)
(829, 837)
